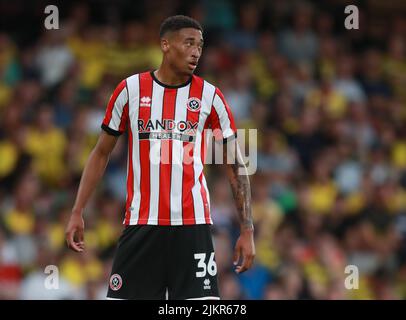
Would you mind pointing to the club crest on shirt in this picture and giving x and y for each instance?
(193, 104)
(115, 282)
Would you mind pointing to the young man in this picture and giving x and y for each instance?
(166, 249)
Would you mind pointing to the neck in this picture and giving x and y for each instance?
(169, 77)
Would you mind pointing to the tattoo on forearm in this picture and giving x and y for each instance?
(241, 189)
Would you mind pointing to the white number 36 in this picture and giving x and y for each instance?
(210, 268)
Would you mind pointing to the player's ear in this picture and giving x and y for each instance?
(164, 45)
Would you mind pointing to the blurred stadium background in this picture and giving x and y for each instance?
(329, 105)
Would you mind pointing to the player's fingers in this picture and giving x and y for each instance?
(79, 235)
(248, 259)
(71, 242)
(80, 240)
(69, 237)
(76, 246)
(239, 269)
(236, 257)
(242, 267)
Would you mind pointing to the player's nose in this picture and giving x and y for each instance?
(196, 53)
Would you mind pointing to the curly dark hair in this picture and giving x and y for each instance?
(175, 23)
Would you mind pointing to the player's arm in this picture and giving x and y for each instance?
(222, 122)
(240, 185)
(114, 124)
(92, 173)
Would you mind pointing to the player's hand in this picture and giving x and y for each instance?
(244, 248)
(74, 233)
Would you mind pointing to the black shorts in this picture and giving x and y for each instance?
(164, 262)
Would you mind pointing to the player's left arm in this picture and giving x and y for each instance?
(224, 130)
(240, 185)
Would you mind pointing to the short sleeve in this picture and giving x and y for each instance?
(221, 118)
(116, 117)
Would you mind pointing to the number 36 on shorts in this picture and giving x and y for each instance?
(204, 267)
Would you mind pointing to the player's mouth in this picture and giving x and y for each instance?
(193, 65)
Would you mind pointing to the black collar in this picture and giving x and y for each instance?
(169, 86)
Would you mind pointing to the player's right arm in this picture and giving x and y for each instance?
(114, 124)
(92, 173)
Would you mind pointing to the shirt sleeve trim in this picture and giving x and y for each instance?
(110, 131)
(230, 138)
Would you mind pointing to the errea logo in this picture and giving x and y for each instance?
(206, 284)
(145, 102)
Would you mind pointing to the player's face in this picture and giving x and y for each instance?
(184, 50)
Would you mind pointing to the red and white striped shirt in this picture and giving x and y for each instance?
(168, 123)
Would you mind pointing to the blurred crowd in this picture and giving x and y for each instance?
(329, 105)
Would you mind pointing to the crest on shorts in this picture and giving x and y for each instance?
(194, 104)
(115, 282)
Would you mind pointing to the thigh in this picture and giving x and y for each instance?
(192, 265)
(138, 270)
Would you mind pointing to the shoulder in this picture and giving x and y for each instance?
(136, 76)
(140, 75)
(209, 89)
(132, 83)
(198, 79)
